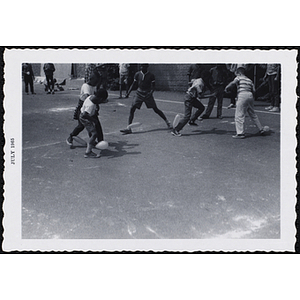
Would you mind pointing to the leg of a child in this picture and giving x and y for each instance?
(77, 129)
(210, 105)
(99, 131)
(160, 113)
(187, 115)
(253, 115)
(131, 114)
(240, 112)
(200, 109)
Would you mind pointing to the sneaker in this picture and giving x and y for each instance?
(91, 155)
(262, 132)
(175, 132)
(169, 125)
(69, 141)
(239, 136)
(274, 109)
(126, 131)
(269, 108)
(231, 106)
(192, 123)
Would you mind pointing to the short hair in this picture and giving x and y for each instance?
(101, 93)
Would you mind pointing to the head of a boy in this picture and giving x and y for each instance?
(94, 79)
(144, 68)
(100, 96)
(240, 71)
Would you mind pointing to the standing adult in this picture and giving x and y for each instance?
(28, 77)
(218, 78)
(194, 72)
(49, 69)
(272, 77)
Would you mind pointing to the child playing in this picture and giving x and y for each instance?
(89, 118)
(191, 100)
(146, 84)
(87, 89)
(245, 102)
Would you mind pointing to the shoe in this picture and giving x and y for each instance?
(219, 117)
(169, 125)
(48, 92)
(91, 155)
(239, 136)
(53, 93)
(262, 132)
(269, 108)
(274, 109)
(69, 141)
(192, 123)
(175, 132)
(126, 131)
(231, 106)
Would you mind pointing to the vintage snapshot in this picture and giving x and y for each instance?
(149, 150)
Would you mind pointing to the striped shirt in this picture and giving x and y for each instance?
(244, 84)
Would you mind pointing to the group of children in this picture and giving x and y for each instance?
(88, 107)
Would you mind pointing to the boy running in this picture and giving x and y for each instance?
(89, 118)
(245, 102)
(191, 100)
(145, 82)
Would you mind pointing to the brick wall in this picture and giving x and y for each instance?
(170, 77)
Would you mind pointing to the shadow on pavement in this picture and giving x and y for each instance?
(120, 151)
(212, 131)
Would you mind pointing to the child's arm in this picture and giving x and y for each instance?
(130, 89)
(229, 85)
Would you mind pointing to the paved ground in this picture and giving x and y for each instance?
(148, 185)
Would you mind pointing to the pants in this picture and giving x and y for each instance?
(50, 82)
(273, 90)
(28, 80)
(188, 104)
(219, 93)
(98, 127)
(245, 103)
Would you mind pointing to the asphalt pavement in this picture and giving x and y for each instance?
(149, 184)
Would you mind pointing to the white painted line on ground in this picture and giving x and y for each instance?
(39, 146)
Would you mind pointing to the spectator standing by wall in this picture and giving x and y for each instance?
(28, 77)
(272, 77)
(49, 69)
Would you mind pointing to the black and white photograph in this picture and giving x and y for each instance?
(149, 150)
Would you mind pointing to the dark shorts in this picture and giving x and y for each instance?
(143, 97)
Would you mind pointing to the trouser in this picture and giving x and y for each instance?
(273, 90)
(28, 80)
(188, 112)
(50, 82)
(80, 128)
(218, 92)
(245, 103)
